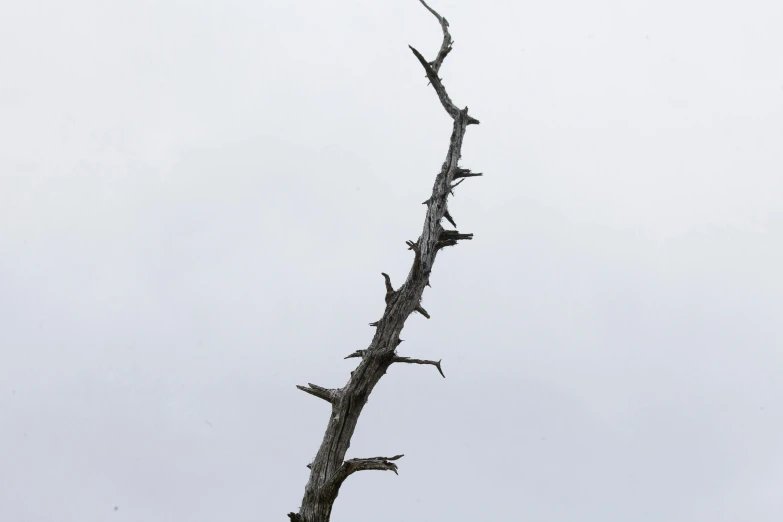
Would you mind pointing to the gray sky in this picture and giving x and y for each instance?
(197, 200)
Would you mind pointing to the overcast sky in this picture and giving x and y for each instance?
(197, 200)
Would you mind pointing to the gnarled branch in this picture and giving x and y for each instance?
(330, 468)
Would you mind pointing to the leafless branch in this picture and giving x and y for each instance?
(445, 47)
(408, 360)
(351, 466)
(436, 83)
(329, 468)
(449, 218)
(319, 391)
(466, 173)
(416, 270)
(389, 288)
(422, 311)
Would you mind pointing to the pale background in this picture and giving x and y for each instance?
(197, 200)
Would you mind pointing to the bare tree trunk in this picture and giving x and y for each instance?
(330, 469)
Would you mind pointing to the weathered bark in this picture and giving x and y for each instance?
(330, 469)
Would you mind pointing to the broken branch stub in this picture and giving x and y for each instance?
(326, 394)
(409, 360)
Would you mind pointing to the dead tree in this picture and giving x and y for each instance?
(330, 468)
